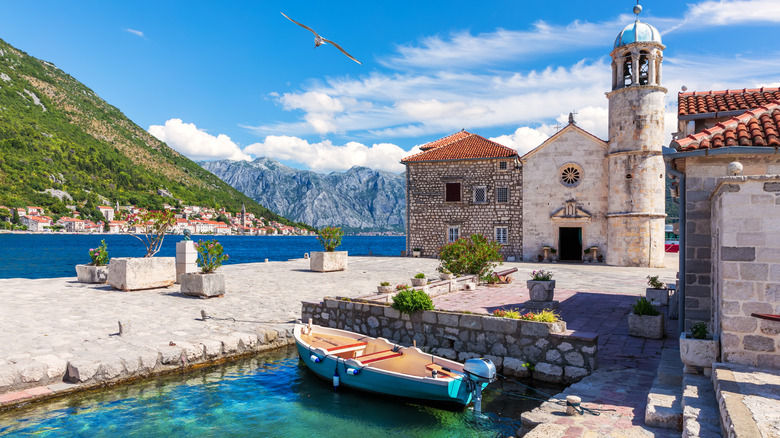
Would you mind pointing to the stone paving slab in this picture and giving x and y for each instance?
(748, 399)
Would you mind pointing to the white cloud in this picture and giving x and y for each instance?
(729, 13)
(195, 143)
(326, 157)
(525, 138)
(135, 32)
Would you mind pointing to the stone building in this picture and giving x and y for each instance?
(727, 178)
(566, 193)
(460, 185)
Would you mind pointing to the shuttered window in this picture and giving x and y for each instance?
(452, 192)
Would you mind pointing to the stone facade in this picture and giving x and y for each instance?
(746, 268)
(551, 203)
(557, 355)
(703, 174)
(430, 216)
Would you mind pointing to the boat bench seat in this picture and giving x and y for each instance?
(440, 371)
(378, 356)
(338, 349)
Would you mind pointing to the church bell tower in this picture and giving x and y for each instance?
(636, 204)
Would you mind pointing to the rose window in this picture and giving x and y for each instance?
(571, 174)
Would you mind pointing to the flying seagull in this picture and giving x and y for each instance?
(318, 40)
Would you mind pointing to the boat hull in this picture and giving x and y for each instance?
(457, 391)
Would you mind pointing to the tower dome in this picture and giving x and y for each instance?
(637, 32)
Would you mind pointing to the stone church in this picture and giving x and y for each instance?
(573, 197)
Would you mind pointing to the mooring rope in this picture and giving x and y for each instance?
(577, 406)
(204, 317)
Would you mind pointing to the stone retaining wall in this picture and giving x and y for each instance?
(24, 380)
(554, 353)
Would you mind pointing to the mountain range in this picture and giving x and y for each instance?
(63, 146)
(358, 200)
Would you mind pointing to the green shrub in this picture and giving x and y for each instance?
(99, 255)
(541, 275)
(475, 255)
(644, 307)
(654, 283)
(412, 300)
(699, 331)
(420, 275)
(330, 238)
(384, 283)
(511, 314)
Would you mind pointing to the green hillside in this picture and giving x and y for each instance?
(55, 133)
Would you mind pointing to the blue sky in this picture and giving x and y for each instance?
(237, 80)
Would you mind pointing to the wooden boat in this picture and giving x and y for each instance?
(377, 365)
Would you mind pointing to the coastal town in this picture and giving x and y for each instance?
(195, 219)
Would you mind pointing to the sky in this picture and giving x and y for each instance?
(237, 80)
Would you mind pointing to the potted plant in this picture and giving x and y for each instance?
(586, 256)
(657, 292)
(419, 280)
(554, 255)
(147, 272)
(416, 252)
(97, 271)
(539, 257)
(645, 321)
(329, 260)
(445, 273)
(206, 283)
(541, 286)
(384, 288)
(699, 349)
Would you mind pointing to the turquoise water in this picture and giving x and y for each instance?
(272, 395)
(55, 255)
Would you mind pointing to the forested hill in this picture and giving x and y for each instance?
(57, 135)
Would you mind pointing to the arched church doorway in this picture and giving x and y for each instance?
(570, 243)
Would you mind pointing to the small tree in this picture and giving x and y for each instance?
(210, 255)
(15, 219)
(330, 238)
(154, 224)
(475, 255)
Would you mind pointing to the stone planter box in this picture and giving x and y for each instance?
(203, 285)
(92, 273)
(330, 261)
(419, 282)
(541, 290)
(385, 289)
(646, 326)
(659, 297)
(137, 273)
(446, 276)
(416, 253)
(699, 352)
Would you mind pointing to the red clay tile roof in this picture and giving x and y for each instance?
(461, 146)
(705, 102)
(759, 127)
(446, 140)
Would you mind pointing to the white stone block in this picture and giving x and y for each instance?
(203, 285)
(91, 273)
(328, 261)
(137, 273)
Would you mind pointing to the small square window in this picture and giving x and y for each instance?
(502, 165)
(480, 195)
(452, 192)
(502, 194)
(502, 235)
(453, 233)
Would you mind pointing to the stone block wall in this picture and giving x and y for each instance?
(703, 174)
(430, 216)
(746, 268)
(557, 355)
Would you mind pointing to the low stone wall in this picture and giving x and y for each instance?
(553, 353)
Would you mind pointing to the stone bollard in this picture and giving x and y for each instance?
(186, 258)
(306, 256)
(572, 403)
(124, 329)
(266, 260)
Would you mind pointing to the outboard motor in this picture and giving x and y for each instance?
(480, 372)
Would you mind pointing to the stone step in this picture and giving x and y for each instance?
(701, 417)
(664, 401)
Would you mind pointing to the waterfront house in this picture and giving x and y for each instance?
(36, 223)
(116, 227)
(108, 212)
(34, 211)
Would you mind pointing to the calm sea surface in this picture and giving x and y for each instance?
(55, 255)
(271, 395)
